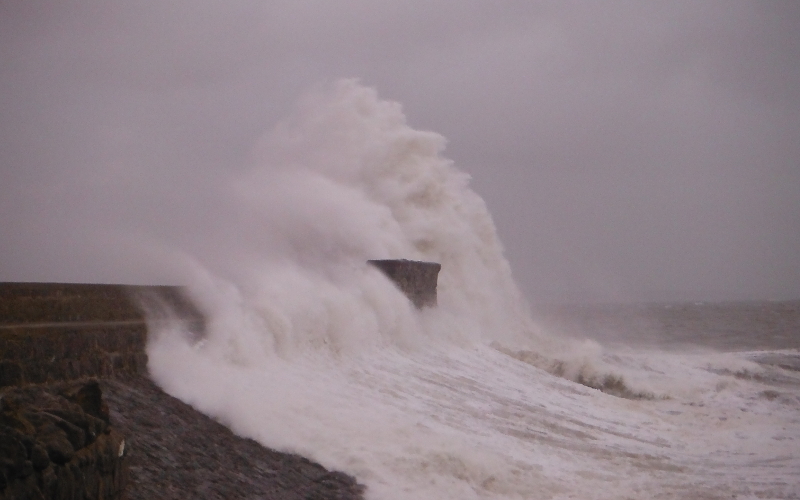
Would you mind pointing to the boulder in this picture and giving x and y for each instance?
(56, 443)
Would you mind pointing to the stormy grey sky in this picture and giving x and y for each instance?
(628, 150)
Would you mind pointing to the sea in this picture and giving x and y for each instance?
(308, 349)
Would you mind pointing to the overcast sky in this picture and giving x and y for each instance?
(628, 150)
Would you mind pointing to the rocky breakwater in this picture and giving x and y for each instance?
(56, 443)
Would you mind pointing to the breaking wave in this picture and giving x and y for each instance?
(307, 348)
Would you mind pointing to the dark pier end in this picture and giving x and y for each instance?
(416, 279)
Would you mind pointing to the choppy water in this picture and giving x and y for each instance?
(309, 349)
(727, 326)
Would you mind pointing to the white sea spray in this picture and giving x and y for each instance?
(309, 349)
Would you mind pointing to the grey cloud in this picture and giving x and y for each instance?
(627, 150)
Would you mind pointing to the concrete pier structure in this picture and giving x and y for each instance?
(416, 279)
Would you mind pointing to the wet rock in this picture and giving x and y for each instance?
(50, 447)
(14, 461)
(89, 397)
(39, 456)
(177, 452)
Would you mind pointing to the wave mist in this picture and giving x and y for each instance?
(309, 349)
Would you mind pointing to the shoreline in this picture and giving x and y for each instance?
(55, 333)
(176, 452)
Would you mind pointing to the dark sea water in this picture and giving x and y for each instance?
(725, 326)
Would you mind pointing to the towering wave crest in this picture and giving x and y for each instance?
(342, 181)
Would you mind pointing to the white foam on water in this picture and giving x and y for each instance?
(308, 349)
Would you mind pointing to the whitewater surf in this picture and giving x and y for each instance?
(309, 349)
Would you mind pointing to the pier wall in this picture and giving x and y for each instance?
(53, 332)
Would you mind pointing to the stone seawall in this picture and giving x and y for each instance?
(52, 332)
(37, 355)
(117, 436)
(35, 303)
